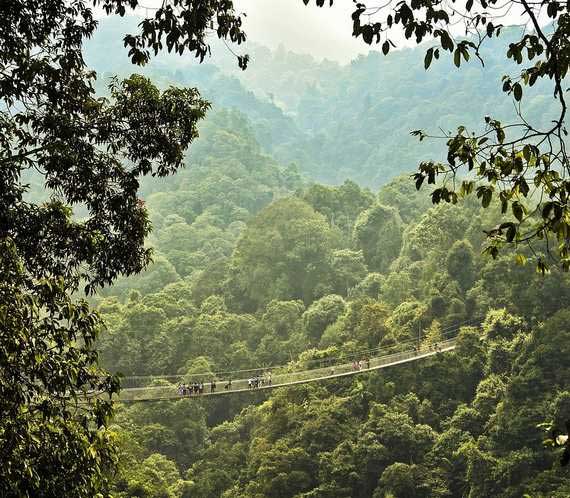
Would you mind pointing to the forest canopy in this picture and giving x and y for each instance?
(255, 264)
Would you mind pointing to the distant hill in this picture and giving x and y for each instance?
(334, 121)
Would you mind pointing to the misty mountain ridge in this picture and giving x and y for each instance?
(340, 121)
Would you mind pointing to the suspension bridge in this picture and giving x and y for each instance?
(157, 388)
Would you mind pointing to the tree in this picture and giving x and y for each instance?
(322, 313)
(501, 324)
(90, 153)
(341, 205)
(401, 194)
(370, 328)
(281, 471)
(410, 481)
(516, 162)
(398, 433)
(378, 233)
(282, 317)
(433, 334)
(407, 318)
(156, 477)
(348, 267)
(283, 254)
(369, 286)
(50, 418)
(460, 263)
(435, 233)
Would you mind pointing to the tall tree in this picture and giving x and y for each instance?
(90, 152)
(283, 254)
(378, 233)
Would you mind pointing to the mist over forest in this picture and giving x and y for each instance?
(292, 239)
(340, 121)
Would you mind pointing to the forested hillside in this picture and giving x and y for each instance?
(255, 265)
(170, 221)
(344, 121)
(318, 274)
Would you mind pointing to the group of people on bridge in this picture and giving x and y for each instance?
(194, 388)
(357, 365)
(197, 388)
(361, 364)
(264, 379)
(259, 381)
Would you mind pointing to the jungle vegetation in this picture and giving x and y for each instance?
(314, 271)
(291, 230)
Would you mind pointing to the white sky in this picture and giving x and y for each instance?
(326, 31)
(323, 32)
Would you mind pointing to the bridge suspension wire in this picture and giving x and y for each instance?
(134, 381)
(166, 393)
(287, 378)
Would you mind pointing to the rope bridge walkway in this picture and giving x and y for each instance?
(278, 377)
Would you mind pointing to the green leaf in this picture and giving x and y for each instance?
(428, 58)
(527, 152)
(518, 210)
(486, 194)
(466, 187)
(517, 91)
(510, 229)
(500, 135)
(457, 57)
(446, 41)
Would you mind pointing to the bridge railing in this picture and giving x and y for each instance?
(283, 378)
(130, 382)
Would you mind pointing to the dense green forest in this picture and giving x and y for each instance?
(197, 221)
(258, 264)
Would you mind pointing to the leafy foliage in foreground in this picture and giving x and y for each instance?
(90, 153)
(50, 419)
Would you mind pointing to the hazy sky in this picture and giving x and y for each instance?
(326, 31)
(322, 32)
